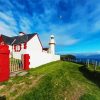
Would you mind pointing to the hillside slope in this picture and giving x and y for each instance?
(54, 81)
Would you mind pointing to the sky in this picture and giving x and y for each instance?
(74, 23)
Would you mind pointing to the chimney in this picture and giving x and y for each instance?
(21, 33)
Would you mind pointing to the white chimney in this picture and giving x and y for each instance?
(21, 33)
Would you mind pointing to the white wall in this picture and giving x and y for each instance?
(39, 59)
(10, 48)
(33, 45)
(52, 48)
(17, 55)
(37, 56)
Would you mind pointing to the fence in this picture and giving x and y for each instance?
(8, 65)
(15, 65)
(88, 62)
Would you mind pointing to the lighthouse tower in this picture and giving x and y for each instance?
(52, 45)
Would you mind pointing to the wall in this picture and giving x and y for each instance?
(33, 45)
(10, 48)
(17, 55)
(37, 59)
(52, 48)
(37, 56)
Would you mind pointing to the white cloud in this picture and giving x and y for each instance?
(25, 25)
(5, 29)
(61, 39)
(66, 40)
(65, 34)
(7, 24)
(98, 52)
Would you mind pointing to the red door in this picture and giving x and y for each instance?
(4, 63)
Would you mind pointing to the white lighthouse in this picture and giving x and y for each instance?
(52, 45)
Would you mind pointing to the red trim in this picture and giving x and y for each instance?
(26, 61)
(28, 40)
(4, 67)
(20, 48)
(15, 48)
(1, 40)
(25, 45)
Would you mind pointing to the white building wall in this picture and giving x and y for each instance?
(33, 45)
(10, 49)
(52, 49)
(42, 58)
(37, 56)
(17, 55)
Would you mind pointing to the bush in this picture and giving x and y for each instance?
(68, 57)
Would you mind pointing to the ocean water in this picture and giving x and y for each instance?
(90, 60)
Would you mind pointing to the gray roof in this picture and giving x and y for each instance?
(17, 39)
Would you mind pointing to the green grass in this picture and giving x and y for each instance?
(59, 81)
(62, 81)
(91, 67)
(87, 97)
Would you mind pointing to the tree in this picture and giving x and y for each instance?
(68, 57)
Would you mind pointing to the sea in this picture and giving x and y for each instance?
(94, 58)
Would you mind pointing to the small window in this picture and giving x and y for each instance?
(17, 48)
(52, 37)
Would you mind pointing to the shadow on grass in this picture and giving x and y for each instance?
(93, 76)
(2, 97)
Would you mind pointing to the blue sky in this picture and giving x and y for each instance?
(75, 23)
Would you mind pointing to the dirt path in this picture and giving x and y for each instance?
(16, 90)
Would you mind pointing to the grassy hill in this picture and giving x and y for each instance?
(54, 81)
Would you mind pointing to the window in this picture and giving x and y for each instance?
(52, 37)
(17, 48)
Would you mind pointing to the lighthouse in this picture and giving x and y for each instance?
(52, 45)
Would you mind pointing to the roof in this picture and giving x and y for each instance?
(46, 49)
(17, 39)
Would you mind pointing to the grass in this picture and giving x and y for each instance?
(54, 81)
(91, 74)
(91, 67)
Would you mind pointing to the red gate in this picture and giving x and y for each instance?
(4, 63)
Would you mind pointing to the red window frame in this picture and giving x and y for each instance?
(25, 45)
(16, 49)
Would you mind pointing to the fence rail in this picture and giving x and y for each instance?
(88, 62)
(15, 65)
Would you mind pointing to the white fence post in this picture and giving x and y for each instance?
(95, 65)
(88, 62)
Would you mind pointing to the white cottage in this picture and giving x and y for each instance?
(31, 44)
